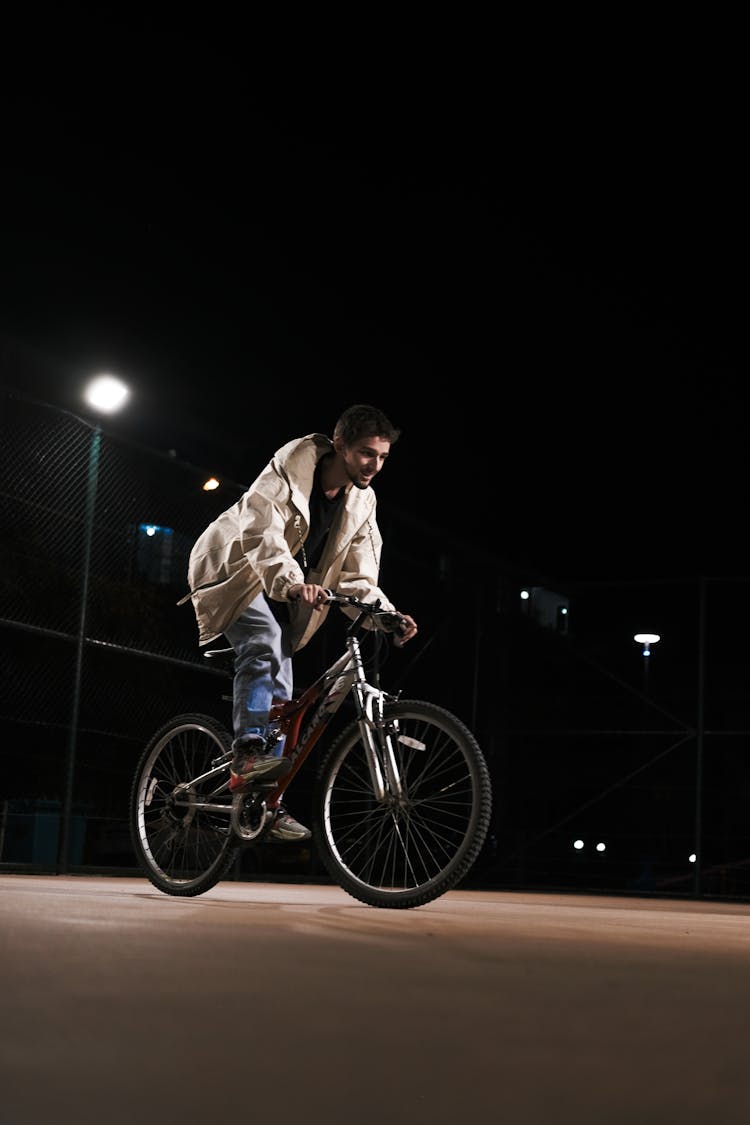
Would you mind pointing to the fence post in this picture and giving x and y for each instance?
(91, 486)
(700, 720)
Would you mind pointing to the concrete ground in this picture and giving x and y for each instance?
(295, 1003)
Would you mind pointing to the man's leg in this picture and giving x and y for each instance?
(263, 672)
(262, 668)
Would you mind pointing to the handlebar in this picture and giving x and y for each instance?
(386, 620)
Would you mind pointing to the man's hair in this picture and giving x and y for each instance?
(362, 421)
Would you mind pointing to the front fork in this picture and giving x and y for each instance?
(377, 736)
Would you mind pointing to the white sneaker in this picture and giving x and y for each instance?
(285, 829)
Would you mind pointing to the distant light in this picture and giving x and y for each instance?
(210, 484)
(525, 595)
(600, 847)
(692, 857)
(564, 610)
(578, 844)
(106, 393)
(646, 639)
(151, 529)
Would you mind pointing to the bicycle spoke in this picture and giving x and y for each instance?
(414, 844)
(184, 847)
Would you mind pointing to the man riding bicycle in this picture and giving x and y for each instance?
(259, 572)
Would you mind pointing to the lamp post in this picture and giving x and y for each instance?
(105, 394)
(646, 640)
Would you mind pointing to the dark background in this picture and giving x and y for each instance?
(531, 258)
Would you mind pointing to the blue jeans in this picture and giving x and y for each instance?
(262, 670)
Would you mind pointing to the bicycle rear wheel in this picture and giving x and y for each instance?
(408, 849)
(180, 806)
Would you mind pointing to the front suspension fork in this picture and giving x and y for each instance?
(378, 742)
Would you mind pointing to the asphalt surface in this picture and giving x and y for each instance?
(297, 1004)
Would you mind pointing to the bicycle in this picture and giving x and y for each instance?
(401, 801)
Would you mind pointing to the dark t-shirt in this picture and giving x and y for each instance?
(322, 514)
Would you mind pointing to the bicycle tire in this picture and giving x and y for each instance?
(404, 852)
(182, 849)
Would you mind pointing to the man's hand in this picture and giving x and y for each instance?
(407, 631)
(309, 592)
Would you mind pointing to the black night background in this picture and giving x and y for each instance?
(536, 272)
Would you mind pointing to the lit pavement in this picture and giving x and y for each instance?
(295, 1004)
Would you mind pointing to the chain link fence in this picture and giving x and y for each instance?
(603, 778)
(97, 655)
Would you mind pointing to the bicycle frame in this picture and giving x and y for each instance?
(302, 730)
(302, 727)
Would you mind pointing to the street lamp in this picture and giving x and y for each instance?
(646, 640)
(106, 394)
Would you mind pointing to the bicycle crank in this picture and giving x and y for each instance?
(249, 815)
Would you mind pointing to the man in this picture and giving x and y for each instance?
(258, 575)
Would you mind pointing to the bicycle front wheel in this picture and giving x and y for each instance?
(413, 846)
(180, 806)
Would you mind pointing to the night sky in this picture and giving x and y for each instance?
(539, 274)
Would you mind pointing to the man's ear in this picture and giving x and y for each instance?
(338, 444)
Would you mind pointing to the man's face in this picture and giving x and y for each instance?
(364, 459)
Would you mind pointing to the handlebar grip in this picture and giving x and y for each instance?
(390, 622)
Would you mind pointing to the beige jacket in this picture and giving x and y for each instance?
(250, 547)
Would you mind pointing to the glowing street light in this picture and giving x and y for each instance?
(646, 640)
(106, 394)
